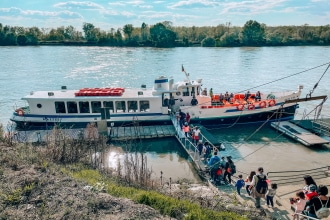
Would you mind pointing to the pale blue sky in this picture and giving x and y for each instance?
(107, 14)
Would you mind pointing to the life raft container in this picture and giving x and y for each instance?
(262, 104)
(251, 107)
(20, 112)
(240, 107)
(271, 103)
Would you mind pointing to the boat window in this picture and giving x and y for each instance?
(192, 91)
(144, 106)
(132, 106)
(108, 104)
(84, 107)
(185, 92)
(120, 106)
(60, 107)
(96, 106)
(72, 107)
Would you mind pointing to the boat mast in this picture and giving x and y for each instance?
(187, 74)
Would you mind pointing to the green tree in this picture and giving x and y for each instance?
(208, 42)
(90, 32)
(128, 29)
(21, 40)
(253, 34)
(162, 35)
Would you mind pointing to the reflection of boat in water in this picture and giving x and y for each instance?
(151, 106)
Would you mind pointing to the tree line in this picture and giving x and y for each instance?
(164, 34)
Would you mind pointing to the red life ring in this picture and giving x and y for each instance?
(271, 103)
(251, 107)
(262, 104)
(240, 107)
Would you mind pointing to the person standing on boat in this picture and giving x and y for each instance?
(194, 101)
(204, 92)
(200, 147)
(258, 96)
(211, 93)
(171, 102)
(247, 95)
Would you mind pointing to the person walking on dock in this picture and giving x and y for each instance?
(229, 169)
(196, 133)
(213, 164)
(258, 181)
(186, 129)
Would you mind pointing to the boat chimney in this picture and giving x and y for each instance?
(300, 87)
(161, 83)
(63, 87)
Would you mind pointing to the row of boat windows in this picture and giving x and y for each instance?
(96, 106)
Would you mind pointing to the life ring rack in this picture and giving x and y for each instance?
(262, 104)
(251, 107)
(240, 107)
(271, 102)
(20, 112)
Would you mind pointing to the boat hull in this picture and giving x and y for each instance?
(47, 122)
(285, 114)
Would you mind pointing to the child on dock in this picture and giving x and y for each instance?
(270, 195)
(239, 184)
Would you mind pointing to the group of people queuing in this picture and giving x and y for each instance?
(311, 200)
(221, 168)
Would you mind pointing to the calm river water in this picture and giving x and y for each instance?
(26, 69)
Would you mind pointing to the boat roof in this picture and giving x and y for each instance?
(71, 94)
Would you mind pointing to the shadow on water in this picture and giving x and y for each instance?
(163, 155)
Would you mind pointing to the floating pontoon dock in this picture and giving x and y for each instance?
(298, 133)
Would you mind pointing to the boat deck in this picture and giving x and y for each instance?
(298, 133)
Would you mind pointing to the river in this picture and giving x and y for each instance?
(26, 69)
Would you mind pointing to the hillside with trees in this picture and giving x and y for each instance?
(164, 34)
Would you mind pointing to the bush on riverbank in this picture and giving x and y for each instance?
(33, 186)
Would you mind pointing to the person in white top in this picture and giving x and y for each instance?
(248, 182)
(299, 203)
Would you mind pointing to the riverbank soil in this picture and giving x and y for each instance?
(32, 188)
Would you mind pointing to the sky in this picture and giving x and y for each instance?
(107, 14)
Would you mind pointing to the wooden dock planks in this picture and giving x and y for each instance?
(298, 133)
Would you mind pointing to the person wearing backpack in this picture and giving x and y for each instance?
(259, 186)
(230, 169)
(319, 206)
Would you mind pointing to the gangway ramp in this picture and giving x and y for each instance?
(300, 134)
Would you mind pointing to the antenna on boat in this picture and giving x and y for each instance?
(187, 74)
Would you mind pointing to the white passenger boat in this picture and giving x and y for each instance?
(122, 106)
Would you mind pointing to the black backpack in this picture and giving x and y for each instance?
(262, 185)
(232, 168)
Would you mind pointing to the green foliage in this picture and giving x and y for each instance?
(14, 197)
(167, 205)
(164, 34)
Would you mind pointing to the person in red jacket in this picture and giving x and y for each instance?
(311, 192)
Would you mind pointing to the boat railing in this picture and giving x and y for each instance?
(295, 176)
(186, 142)
(296, 216)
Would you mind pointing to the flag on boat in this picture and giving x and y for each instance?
(182, 69)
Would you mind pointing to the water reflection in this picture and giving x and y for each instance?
(163, 155)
